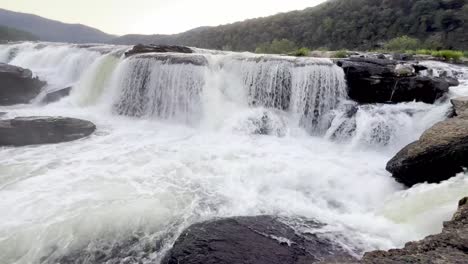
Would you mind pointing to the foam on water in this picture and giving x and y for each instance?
(180, 143)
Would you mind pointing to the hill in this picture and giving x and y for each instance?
(51, 30)
(12, 34)
(336, 24)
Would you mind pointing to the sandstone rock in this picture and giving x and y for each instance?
(23, 131)
(383, 81)
(140, 48)
(460, 106)
(448, 247)
(251, 240)
(57, 95)
(440, 153)
(17, 85)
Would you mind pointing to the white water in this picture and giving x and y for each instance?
(178, 144)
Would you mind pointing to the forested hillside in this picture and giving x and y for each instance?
(336, 24)
(11, 34)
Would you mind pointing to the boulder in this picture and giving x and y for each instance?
(54, 96)
(140, 48)
(403, 57)
(251, 240)
(17, 85)
(448, 247)
(23, 131)
(386, 81)
(440, 153)
(460, 106)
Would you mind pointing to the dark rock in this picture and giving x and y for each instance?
(378, 81)
(57, 95)
(419, 68)
(17, 85)
(381, 56)
(440, 153)
(23, 131)
(251, 240)
(448, 247)
(452, 81)
(402, 57)
(197, 60)
(140, 48)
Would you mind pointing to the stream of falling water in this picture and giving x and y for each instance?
(185, 138)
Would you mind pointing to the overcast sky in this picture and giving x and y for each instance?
(153, 16)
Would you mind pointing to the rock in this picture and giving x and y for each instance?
(17, 85)
(251, 240)
(23, 131)
(419, 68)
(452, 81)
(402, 57)
(448, 247)
(440, 153)
(194, 59)
(380, 81)
(405, 70)
(57, 95)
(460, 106)
(140, 48)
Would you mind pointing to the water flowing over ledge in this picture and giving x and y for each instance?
(175, 145)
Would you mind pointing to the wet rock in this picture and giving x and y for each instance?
(460, 106)
(251, 240)
(57, 95)
(140, 48)
(402, 57)
(448, 247)
(383, 81)
(17, 85)
(452, 81)
(440, 153)
(194, 59)
(23, 131)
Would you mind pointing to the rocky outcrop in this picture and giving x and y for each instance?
(460, 106)
(23, 131)
(440, 153)
(387, 81)
(448, 247)
(251, 240)
(194, 59)
(140, 48)
(57, 95)
(17, 85)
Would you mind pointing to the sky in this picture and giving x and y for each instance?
(153, 16)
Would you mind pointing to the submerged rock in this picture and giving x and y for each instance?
(440, 153)
(23, 131)
(386, 81)
(448, 247)
(17, 85)
(251, 240)
(140, 48)
(57, 95)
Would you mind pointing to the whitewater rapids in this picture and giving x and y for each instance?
(179, 143)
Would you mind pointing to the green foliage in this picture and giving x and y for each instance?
(12, 34)
(465, 54)
(282, 46)
(424, 51)
(448, 54)
(341, 54)
(403, 43)
(302, 52)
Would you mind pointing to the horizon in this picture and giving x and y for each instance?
(154, 16)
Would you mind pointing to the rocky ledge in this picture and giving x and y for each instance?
(17, 85)
(140, 48)
(440, 153)
(448, 247)
(389, 81)
(252, 240)
(23, 131)
(56, 95)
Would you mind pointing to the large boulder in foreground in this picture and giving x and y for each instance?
(387, 81)
(23, 131)
(17, 85)
(140, 48)
(440, 153)
(251, 240)
(448, 247)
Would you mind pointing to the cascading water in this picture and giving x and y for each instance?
(181, 138)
